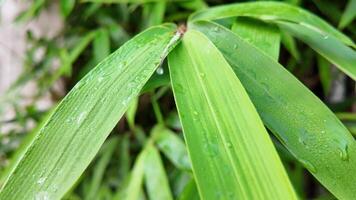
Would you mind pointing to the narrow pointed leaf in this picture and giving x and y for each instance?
(231, 153)
(327, 45)
(271, 11)
(67, 143)
(156, 180)
(264, 36)
(173, 148)
(349, 14)
(190, 192)
(309, 130)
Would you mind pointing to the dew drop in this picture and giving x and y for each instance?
(202, 75)
(211, 149)
(180, 88)
(343, 152)
(41, 180)
(195, 113)
(322, 131)
(81, 117)
(325, 37)
(236, 46)
(309, 166)
(216, 29)
(229, 145)
(100, 79)
(43, 195)
(159, 71)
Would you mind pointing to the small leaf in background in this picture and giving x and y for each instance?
(155, 176)
(325, 74)
(173, 147)
(66, 7)
(349, 14)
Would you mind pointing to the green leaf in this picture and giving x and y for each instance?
(67, 143)
(325, 74)
(132, 190)
(306, 127)
(264, 36)
(289, 43)
(131, 113)
(190, 192)
(100, 167)
(153, 14)
(101, 45)
(173, 148)
(349, 14)
(327, 45)
(155, 176)
(231, 153)
(272, 11)
(66, 7)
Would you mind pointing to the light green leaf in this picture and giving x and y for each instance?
(272, 11)
(99, 168)
(349, 14)
(327, 45)
(156, 180)
(173, 148)
(290, 44)
(67, 143)
(262, 35)
(101, 45)
(66, 7)
(325, 74)
(309, 130)
(132, 190)
(153, 14)
(231, 153)
(190, 192)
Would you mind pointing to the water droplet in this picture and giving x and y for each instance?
(81, 117)
(343, 152)
(100, 79)
(180, 88)
(236, 46)
(229, 145)
(211, 149)
(322, 131)
(325, 37)
(309, 166)
(195, 112)
(41, 180)
(216, 29)
(160, 70)
(43, 195)
(202, 75)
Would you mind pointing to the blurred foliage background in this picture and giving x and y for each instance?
(95, 28)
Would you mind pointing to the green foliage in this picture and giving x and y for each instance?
(241, 109)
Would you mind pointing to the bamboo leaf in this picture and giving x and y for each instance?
(309, 130)
(100, 167)
(190, 192)
(64, 147)
(156, 180)
(66, 7)
(272, 11)
(231, 153)
(264, 36)
(327, 45)
(349, 14)
(173, 148)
